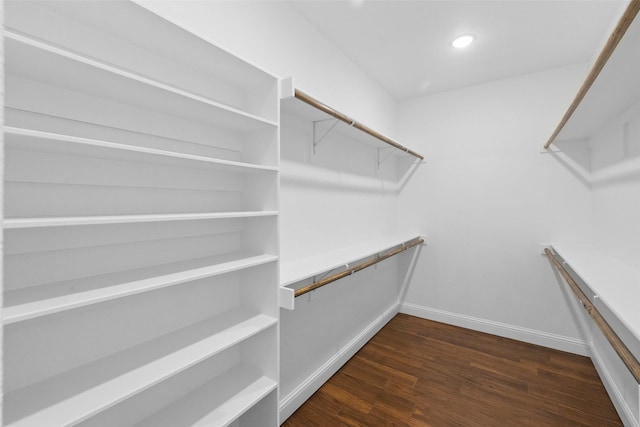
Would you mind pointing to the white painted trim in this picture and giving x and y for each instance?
(625, 413)
(292, 401)
(558, 342)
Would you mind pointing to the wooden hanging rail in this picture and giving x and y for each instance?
(351, 122)
(625, 355)
(625, 21)
(361, 266)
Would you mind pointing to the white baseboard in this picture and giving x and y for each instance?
(558, 342)
(289, 403)
(625, 413)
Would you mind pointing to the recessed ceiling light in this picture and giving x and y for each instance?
(462, 41)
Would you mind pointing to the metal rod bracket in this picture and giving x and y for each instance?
(318, 134)
(382, 158)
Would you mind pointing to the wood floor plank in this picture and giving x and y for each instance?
(416, 372)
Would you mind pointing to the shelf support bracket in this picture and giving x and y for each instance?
(382, 157)
(318, 134)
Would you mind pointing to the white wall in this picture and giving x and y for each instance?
(488, 198)
(1, 205)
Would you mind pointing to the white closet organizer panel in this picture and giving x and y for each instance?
(77, 395)
(141, 222)
(231, 394)
(33, 140)
(38, 308)
(294, 271)
(613, 283)
(125, 35)
(24, 57)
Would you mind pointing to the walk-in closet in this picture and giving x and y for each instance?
(354, 212)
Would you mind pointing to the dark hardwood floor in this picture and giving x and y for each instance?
(417, 372)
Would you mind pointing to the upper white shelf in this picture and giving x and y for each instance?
(34, 60)
(77, 395)
(130, 37)
(611, 86)
(33, 140)
(300, 104)
(297, 270)
(615, 283)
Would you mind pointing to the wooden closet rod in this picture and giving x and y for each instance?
(626, 356)
(615, 37)
(348, 120)
(350, 271)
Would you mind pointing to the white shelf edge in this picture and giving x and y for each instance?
(32, 310)
(97, 399)
(132, 76)
(586, 261)
(131, 148)
(16, 223)
(287, 298)
(247, 390)
(294, 271)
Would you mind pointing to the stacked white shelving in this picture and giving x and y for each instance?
(140, 223)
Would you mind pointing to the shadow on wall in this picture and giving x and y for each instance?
(340, 158)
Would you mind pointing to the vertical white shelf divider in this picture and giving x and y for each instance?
(140, 223)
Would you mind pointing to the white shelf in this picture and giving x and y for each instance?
(24, 57)
(301, 110)
(297, 270)
(231, 394)
(32, 310)
(121, 123)
(615, 283)
(613, 91)
(33, 140)
(290, 104)
(80, 394)
(129, 36)
(14, 223)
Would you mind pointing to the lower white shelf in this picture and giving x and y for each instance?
(613, 283)
(81, 393)
(230, 395)
(186, 271)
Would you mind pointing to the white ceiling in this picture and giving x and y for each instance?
(405, 45)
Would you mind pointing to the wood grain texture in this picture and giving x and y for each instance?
(351, 122)
(349, 271)
(417, 372)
